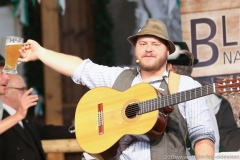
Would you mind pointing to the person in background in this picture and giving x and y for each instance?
(23, 140)
(25, 102)
(181, 62)
(226, 132)
(152, 47)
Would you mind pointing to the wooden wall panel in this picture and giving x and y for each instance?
(192, 6)
(76, 39)
(76, 32)
(52, 81)
(72, 34)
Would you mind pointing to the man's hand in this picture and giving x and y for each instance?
(27, 100)
(30, 51)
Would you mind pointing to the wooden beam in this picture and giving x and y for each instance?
(65, 146)
(61, 146)
(52, 79)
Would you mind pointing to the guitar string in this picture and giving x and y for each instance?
(185, 95)
(177, 97)
(161, 100)
(204, 90)
(164, 99)
(199, 92)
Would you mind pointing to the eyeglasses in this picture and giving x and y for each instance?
(21, 89)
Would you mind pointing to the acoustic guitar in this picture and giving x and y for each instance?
(104, 115)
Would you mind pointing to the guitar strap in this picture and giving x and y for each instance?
(173, 82)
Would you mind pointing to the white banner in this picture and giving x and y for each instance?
(214, 38)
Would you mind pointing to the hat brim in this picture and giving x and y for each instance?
(133, 40)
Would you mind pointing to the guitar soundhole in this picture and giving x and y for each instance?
(132, 110)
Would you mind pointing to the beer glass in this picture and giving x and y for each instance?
(12, 46)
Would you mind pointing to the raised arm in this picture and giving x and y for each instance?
(25, 102)
(62, 63)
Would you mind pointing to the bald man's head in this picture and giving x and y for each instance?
(16, 81)
(16, 87)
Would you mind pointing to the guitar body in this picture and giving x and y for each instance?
(104, 115)
(97, 131)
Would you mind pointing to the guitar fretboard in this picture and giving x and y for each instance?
(169, 100)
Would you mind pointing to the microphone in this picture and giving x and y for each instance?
(137, 61)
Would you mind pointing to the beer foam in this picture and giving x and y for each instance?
(14, 43)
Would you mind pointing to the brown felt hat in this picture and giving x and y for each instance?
(153, 27)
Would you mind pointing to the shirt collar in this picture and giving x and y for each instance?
(160, 79)
(9, 109)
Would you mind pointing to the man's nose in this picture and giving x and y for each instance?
(149, 47)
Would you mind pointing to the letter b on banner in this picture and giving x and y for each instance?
(206, 41)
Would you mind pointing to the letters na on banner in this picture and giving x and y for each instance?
(214, 38)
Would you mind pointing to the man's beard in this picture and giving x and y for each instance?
(155, 66)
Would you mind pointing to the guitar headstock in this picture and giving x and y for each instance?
(228, 86)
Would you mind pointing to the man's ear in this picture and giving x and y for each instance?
(168, 53)
(169, 66)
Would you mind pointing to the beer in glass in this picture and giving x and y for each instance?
(12, 46)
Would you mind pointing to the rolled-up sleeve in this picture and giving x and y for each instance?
(93, 75)
(196, 113)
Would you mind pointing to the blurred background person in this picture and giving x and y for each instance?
(23, 140)
(225, 127)
(24, 102)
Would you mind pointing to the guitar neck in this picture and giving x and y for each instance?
(169, 100)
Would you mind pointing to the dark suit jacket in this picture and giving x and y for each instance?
(17, 144)
(228, 129)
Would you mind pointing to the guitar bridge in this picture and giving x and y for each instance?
(100, 119)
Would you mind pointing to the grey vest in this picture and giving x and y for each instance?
(171, 144)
